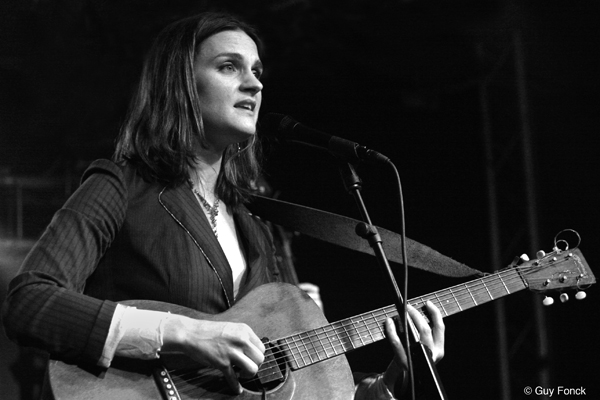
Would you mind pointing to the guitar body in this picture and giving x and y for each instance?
(273, 311)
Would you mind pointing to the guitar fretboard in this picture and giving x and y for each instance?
(343, 336)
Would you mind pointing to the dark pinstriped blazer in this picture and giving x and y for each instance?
(117, 238)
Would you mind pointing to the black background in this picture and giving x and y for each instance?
(401, 77)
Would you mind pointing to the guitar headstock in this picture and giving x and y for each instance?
(557, 271)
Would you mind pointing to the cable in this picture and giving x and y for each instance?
(404, 318)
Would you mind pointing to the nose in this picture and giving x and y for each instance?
(251, 83)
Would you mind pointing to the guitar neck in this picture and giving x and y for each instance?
(343, 336)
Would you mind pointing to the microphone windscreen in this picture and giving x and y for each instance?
(274, 123)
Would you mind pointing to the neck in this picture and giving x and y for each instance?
(205, 173)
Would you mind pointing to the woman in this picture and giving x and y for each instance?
(165, 221)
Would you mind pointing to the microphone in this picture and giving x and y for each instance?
(285, 127)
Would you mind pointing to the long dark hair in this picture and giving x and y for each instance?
(165, 118)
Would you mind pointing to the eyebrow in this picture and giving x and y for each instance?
(239, 57)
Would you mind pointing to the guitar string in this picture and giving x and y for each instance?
(377, 313)
(197, 380)
(298, 345)
(304, 348)
(208, 384)
(480, 287)
(472, 288)
(373, 324)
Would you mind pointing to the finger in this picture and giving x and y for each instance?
(437, 320)
(313, 291)
(256, 344)
(433, 339)
(399, 363)
(421, 324)
(248, 352)
(244, 337)
(309, 287)
(232, 379)
(392, 335)
(254, 353)
(246, 365)
(437, 331)
(520, 259)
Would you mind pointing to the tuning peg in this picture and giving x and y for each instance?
(540, 254)
(564, 298)
(580, 295)
(548, 301)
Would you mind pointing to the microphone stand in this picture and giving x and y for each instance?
(420, 353)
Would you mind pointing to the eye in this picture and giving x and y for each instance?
(257, 73)
(228, 67)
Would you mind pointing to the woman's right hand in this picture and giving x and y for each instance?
(221, 345)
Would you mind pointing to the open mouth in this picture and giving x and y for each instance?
(246, 105)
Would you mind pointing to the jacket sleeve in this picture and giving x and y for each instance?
(45, 306)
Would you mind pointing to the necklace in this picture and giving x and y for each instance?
(212, 211)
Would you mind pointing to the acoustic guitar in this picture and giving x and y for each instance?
(305, 354)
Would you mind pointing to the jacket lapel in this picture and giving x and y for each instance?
(259, 253)
(183, 206)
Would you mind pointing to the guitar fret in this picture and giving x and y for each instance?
(456, 300)
(316, 345)
(379, 320)
(380, 330)
(344, 340)
(441, 304)
(319, 352)
(331, 343)
(471, 294)
(481, 293)
(380, 324)
(306, 341)
(362, 342)
(349, 334)
(289, 352)
(328, 346)
(505, 287)
(500, 289)
(301, 351)
(486, 288)
(334, 353)
(369, 321)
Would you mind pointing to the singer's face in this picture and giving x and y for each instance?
(227, 71)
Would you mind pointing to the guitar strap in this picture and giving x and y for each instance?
(340, 230)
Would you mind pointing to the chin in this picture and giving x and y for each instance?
(247, 132)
